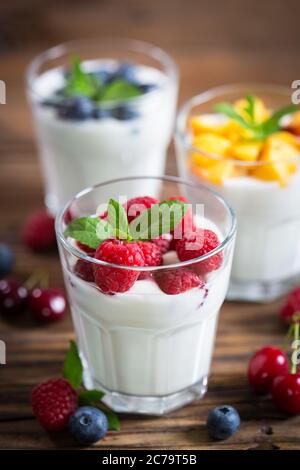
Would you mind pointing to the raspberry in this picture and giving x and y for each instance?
(151, 252)
(163, 242)
(112, 280)
(38, 232)
(53, 402)
(88, 250)
(137, 205)
(204, 241)
(176, 281)
(186, 223)
(84, 270)
(291, 306)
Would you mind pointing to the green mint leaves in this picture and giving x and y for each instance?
(72, 368)
(73, 371)
(79, 82)
(262, 130)
(89, 230)
(159, 219)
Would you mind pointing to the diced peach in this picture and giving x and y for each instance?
(212, 123)
(261, 113)
(212, 144)
(246, 151)
(217, 173)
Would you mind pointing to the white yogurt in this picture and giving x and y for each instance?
(76, 155)
(145, 342)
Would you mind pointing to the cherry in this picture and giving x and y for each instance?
(13, 296)
(286, 392)
(47, 305)
(291, 306)
(264, 365)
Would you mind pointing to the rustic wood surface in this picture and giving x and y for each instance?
(213, 42)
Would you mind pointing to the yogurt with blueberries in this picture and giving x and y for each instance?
(99, 120)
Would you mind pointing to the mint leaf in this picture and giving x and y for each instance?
(159, 219)
(250, 107)
(228, 110)
(119, 90)
(88, 230)
(117, 218)
(79, 82)
(72, 368)
(272, 124)
(90, 397)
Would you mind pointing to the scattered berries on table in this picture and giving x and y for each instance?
(291, 306)
(38, 231)
(47, 305)
(176, 281)
(53, 402)
(286, 392)
(264, 366)
(223, 422)
(7, 259)
(113, 280)
(13, 296)
(88, 425)
(198, 243)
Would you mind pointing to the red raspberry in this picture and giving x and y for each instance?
(112, 280)
(84, 270)
(204, 241)
(53, 402)
(175, 281)
(163, 242)
(291, 306)
(38, 232)
(88, 250)
(137, 205)
(151, 252)
(186, 223)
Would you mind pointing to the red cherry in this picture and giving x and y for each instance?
(291, 306)
(39, 232)
(47, 305)
(264, 365)
(13, 296)
(286, 392)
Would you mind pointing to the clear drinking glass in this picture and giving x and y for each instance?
(266, 262)
(126, 138)
(149, 351)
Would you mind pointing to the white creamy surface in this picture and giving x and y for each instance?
(145, 342)
(76, 155)
(268, 228)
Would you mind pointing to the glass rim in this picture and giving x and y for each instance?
(171, 179)
(150, 50)
(205, 97)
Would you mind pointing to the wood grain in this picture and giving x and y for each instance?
(213, 43)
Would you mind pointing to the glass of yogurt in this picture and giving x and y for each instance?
(101, 109)
(146, 332)
(243, 141)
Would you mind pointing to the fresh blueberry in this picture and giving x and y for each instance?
(223, 422)
(104, 76)
(146, 87)
(101, 113)
(124, 113)
(6, 259)
(77, 108)
(126, 71)
(88, 425)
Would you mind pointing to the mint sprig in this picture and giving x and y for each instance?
(73, 372)
(119, 90)
(90, 231)
(260, 131)
(79, 82)
(117, 218)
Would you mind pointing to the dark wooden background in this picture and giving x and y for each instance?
(213, 42)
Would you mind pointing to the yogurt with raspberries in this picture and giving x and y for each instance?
(144, 342)
(124, 139)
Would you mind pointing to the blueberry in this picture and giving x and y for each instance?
(146, 87)
(223, 422)
(88, 425)
(6, 259)
(124, 113)
(101, 113)
(77, 108)
(104, 76)
(126, 71)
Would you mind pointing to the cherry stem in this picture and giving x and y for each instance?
(295, 345)
(38, 278)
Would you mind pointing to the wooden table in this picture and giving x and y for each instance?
(253, 41)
